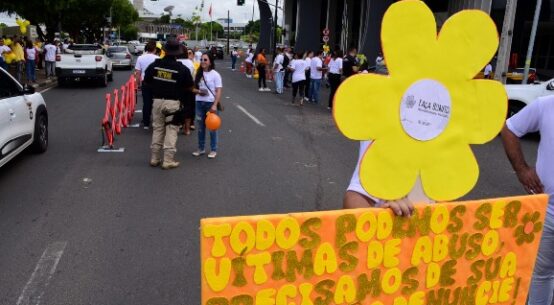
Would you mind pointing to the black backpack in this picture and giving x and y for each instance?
(286, 61)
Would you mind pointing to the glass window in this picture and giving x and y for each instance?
(8, 87)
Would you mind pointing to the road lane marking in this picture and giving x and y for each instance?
(250, 116)
(46, 266)
(46, 89)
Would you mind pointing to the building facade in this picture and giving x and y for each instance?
(357, 23)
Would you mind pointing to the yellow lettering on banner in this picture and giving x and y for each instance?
(305, 291)
(265, 297)
(366, 219)
(217, 232)
(236, 242)
(509, 265)
(491, 241)
(259, 261)
(417, 298)
(433, 275)
(440, 247)
(505, 289)
(291, 225)
(392, 249)
(423, 250)
(325, 259)
(284, 293)
(494, 297)
(439, 219)
(384, 225)
(391, 280)
(481, 296)
(400, 301)
(496, 220)
(377, 303)
(217, 282)
(265, 234)
(374, 254)
(346, 291)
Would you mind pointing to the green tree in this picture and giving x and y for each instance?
(252, 27)
(129, 32)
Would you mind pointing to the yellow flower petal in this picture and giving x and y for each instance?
(478, 110)
(470, 40)
(408, 36)
(387, 171)
(366, 106)
(449, 173)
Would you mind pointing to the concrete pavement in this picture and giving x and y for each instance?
(130, 232)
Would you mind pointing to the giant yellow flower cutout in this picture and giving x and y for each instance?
(424, 115)
(22, 25)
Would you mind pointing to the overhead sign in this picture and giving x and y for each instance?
(476, 252)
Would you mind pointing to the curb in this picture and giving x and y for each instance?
(46, 84)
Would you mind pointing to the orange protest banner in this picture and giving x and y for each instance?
(475, 252)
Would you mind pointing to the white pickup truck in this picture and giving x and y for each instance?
(520, 96)
(84, 62)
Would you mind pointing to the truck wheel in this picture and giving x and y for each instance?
(514, 107)
(104, 80)
(110, 76)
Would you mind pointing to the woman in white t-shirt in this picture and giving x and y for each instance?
(208, 86)
(298, 68)
(189, 103)
(335, 72)
(249, 65)
(31, 55)
(308, 59)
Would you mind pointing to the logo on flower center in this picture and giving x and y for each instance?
(425, 110)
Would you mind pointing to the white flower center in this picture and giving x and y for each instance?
(425, 109)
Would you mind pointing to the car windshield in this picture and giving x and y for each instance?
(117, 50)
(84, 47)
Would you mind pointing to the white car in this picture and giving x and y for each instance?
(84, 62)
(23, 119)
(520, 96)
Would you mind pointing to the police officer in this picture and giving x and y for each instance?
(170, 80)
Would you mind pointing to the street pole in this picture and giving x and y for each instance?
(532, 41)
(275, 29)
(228, 32)
(506, 41)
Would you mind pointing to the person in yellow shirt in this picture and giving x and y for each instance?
(17, 49)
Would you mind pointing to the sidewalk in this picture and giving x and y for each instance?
(41, 83)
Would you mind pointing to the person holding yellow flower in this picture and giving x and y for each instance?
(4, 49)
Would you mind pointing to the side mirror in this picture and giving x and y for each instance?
(28, 89)
(550, 86)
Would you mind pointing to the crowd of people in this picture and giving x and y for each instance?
(26, 57)
(305, 72)
(179, 86)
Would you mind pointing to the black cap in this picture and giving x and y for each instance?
(173, 48)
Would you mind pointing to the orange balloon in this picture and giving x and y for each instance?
(213, 121)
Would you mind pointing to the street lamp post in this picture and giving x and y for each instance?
(532, 42)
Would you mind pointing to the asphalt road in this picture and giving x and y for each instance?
(82, 227)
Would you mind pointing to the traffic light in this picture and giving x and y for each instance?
(240, 2)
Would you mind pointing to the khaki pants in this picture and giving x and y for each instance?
(164, 135)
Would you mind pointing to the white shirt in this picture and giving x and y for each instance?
(188, 63)
(278, 63)
(537, 116)
(4, 49)
(335, 66)
(50, 52)
(197, 56)
(488, 70)
(316, 63)
(299, 66)
(235, 53)
(249, 57)
(308, 62)
(31, 53)
(213, 80)
(355, 184)
(143, 62)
